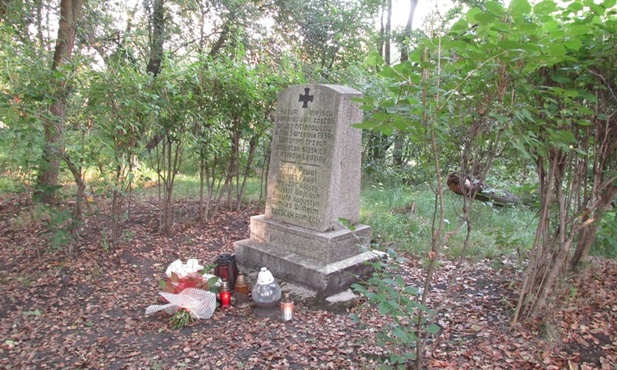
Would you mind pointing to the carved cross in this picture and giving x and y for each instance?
(305, 98)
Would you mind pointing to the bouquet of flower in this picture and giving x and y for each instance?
(186, 290)
(188, 305)
(187, 275)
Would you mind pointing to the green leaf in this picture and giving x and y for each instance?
(412, 290)
(551, 26)
(573, 43)
(607, 4)
(545, 7)
(460, 26)
(347, 223)
(484, 18)
(384, 308)
(560, 79)
(577, 29)
(555, 50)
(404, 68)
(582, 122)
(433, 328)
(562, 136)
(402, 334)
(576, 6)
(389, 72)
(597, 9)
(399, 280)
(394, 305)
(511, 45)
(495, 8)
(519, 7)
(366, 125)
(32, 313)
(471, 15)
(588, 96)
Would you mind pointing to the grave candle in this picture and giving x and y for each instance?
(225, 295)
(242, 291)
(287, 308)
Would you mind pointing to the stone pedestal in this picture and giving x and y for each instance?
(327, 262)
(313, 192)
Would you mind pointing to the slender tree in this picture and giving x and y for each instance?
(387, 35)
(157, 36)
(54, 125)
(3, 4)
(399, 141)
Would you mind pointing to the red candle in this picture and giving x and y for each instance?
(225, 298)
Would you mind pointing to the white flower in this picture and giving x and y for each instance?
(181, 269)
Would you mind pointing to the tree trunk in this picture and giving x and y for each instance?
(3, 5)
(388, 33)
(588, 234)
(47, 181)
(404, 46)
(234, 163)
(603, 189)
(247, 168)
(202, 177)
(79, 199)
(157, 37)
(382, 33)
(399, 140)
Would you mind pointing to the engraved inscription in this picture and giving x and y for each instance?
(304, 138)
(303, 146)
(296, 194)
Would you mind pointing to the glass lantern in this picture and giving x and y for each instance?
(241, 292)
(266, 293)
(226, 268)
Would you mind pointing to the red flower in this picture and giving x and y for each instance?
(175, 284)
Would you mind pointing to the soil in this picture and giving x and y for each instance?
(88, 310)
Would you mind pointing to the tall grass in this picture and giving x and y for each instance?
(187, 187)
(402, 217)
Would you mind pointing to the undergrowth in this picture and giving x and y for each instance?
(401, 219)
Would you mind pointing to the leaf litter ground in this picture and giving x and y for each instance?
(87, 312)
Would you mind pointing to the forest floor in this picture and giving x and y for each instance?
(61, 312)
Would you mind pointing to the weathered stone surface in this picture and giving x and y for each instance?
(325, 247)
(313, 192)
(325, 279)
(314, 176)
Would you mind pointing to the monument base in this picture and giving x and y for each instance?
(290, 263)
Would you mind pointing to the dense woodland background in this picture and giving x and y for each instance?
(100, 100)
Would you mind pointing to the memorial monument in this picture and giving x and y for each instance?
(310, 233)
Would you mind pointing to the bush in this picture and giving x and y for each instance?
(400, 303)
(606, 239)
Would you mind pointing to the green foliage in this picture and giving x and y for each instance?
(606, 240)
(57, 220)
(401, 218)
(328, 35)
(25, 95)
(180, 319)
(60, 226)
(399, 301)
